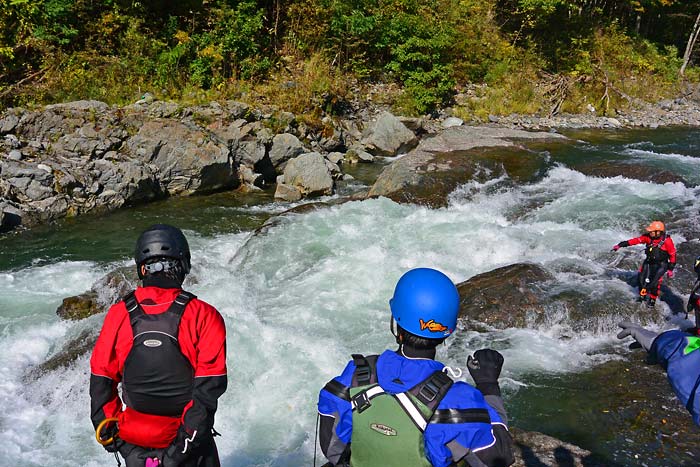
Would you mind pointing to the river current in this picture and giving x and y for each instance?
(311, 288)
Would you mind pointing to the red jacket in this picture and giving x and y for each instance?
(202, 339)
(667, 246)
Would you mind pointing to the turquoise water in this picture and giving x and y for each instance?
(302, 295)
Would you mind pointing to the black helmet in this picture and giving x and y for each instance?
(163, 241)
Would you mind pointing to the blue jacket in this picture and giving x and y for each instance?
(679, 354)
(392, 366)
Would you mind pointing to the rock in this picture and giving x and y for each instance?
(15, 155)
(412, 123)
(335, 157)
(388, 136)
(250, 152)
(79, 306)
(12, 141)
(308, 173)
(10, 216)
(494, 118)
(510, 296)
(354, 155)
(643, 173)
(429, 173)
(537, 449)
(284, 147)
(103, 293)
(69, 353)
(451, 122)
(287, 192)
(187, 159)
(45, 168)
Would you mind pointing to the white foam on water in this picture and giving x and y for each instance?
(309, 290)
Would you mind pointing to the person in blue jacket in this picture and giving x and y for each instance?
(678, 352)
(400, 408)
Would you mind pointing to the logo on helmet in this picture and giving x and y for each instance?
(432, 326)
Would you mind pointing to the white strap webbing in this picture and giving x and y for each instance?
(370, 393)
(412, 411)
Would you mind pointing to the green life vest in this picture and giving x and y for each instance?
(387, 429)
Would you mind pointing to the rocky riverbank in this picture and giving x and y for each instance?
(87, 157)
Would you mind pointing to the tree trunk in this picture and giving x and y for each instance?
(691, 44)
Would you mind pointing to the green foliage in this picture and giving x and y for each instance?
(305, 53)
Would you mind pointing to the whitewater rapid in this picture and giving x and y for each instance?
(311, 289)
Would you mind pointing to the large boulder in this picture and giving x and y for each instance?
(187, 159)
(309, 174)
(510, 296)
(285, 146)
(387, 136)
(527, 295)
(429, 173)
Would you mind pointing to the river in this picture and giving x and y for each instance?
(310, 289)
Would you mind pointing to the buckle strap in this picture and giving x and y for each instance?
(433, 389)
(361, 400)
(178, 306)
(365, 370)
(411, 410)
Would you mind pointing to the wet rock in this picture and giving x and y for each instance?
(510, 296)
(103, 293)
(537, 449)
(633, 171)
(429, 173)
(388, 136)
(69, 353)
(309, 174)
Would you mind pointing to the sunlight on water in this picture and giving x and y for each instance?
(309, 290)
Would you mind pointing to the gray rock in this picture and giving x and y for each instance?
(15, 155)
(355, 155)
(12, 141)
(388, 136)
(412, 123)
(287, 192)
(285, 146)
(187, 159)
(335, 157)
(452, 122)
(9, 121)
(250, 152)
(308, 173)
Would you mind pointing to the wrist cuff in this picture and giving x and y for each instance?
(489, 389)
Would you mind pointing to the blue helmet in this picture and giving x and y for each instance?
(425, 303)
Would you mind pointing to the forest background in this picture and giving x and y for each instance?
(316, 57)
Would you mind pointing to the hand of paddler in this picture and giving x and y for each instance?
(485, 367)
(616, 247)
(669, 273)
(643, 336)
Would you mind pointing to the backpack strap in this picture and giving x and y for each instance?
(180, 303)
(433, 389)
(430, 392)
(365, 370)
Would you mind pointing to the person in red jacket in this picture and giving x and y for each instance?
(660, 260)
(167, 351)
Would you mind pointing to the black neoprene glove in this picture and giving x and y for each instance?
(174, 455)
(485, 367)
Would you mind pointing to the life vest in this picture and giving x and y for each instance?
(654, 252)
(387, 429)
(158, 379)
